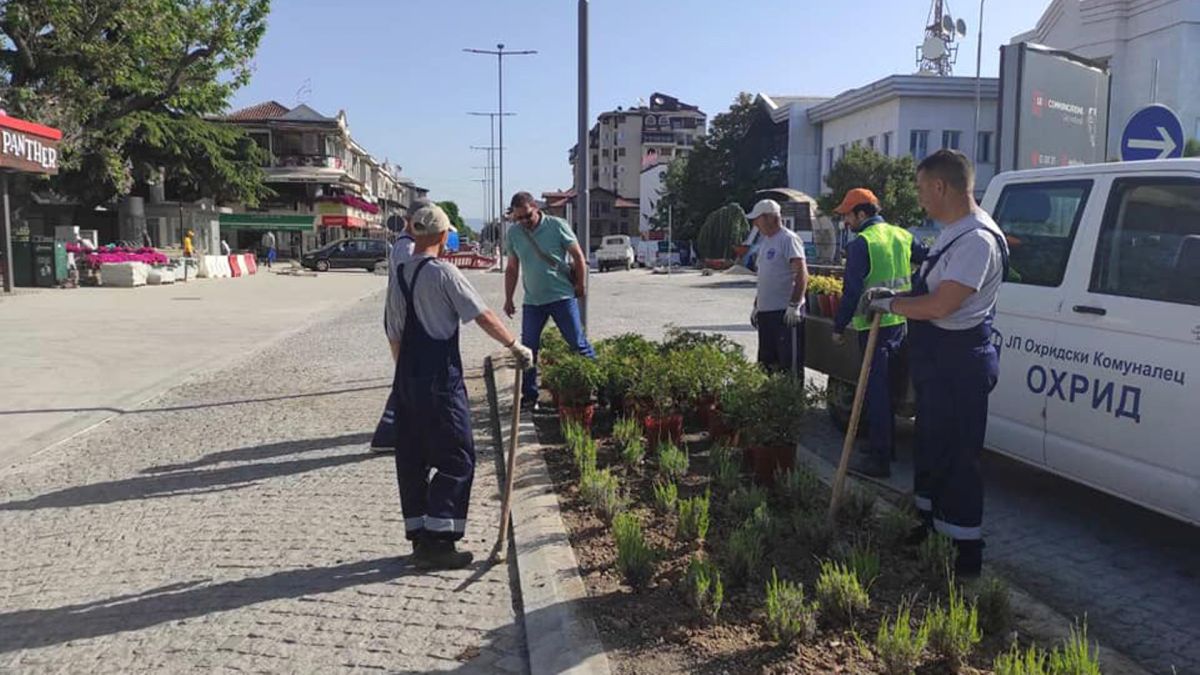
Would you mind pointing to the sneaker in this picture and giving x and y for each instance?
(441, 555)
(530, 404)
(872, 466)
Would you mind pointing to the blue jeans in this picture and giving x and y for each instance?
(881, 422)
(533, 319)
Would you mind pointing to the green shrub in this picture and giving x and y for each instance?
(666, 495)
(936, 555)
(739, 398)
(899, 648)
(693, 519)
(574, 377)
(725, 467)
(602, 491)
(635, 558)
(705, 590)
(813, 530)
(777, 412)
(953, 630)
(745, 499)
(553, 347)
(894, 526)
(678, 339)
(857, 508)
(744, 552)
(723, 228)
(1075, 656)
(863, 560)
(840, 594)
(1032, 661)
(573, 434)
(662, 383)
(789, 617)
(704, 369)
(627, 435)
(585, 456)
(800, 488)
(995, 607)
(620, 360)
(672, 462)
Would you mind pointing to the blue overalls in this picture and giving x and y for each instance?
(953, 373)
(386, 433)
(431, 408)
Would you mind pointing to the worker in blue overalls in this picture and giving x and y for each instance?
(384, 438)
(880, 256)
(435, 452)
(953, 361)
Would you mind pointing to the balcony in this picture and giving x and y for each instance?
(315, 161)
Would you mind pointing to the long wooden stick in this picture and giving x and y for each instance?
(860, 393)
(498, 554)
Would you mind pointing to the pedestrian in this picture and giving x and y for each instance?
(778, 312)
(268, 243)
(544, 253)
(147, 242)
(431, 398)
(385, 436)
(225, 250)
(953, 361)
(189, 249)
(880, 256)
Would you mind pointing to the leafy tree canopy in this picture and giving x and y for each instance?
(456, 219)
(892, 179)
(130, 83)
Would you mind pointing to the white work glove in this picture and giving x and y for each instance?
(793, 316)
(838, 339)
(754, 317)
(522, 355)
(876, 300)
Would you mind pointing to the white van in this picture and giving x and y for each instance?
(1099, 328)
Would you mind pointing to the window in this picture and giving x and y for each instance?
(871, 142)
(841, 150)
(918, 144)
(604, 153)
(1150, 241)
(1040, 220)
(983, 148)
(595, 177)
(951, 138)
(620, 152)
(620, 137)
(828, 159)
(595, 159)
(887, 143)
(666, 152)
(676, 123)
(651, 121)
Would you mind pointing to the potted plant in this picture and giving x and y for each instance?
(770, 439)
(552, 349)
(657, 393)
(706, 369)
(737, 404)
(620, 360)
(575, 378)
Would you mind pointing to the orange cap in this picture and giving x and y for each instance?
(855, 197)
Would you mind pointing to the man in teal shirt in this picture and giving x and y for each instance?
(545, 249)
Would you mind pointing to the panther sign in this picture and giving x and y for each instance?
(28, 147)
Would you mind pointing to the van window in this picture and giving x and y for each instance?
(1040, 220)
(1149, 244)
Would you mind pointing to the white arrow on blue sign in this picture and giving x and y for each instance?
(1154, 132)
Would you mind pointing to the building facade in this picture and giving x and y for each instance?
(1149, 46)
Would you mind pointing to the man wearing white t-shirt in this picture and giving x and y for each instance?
(782, 282)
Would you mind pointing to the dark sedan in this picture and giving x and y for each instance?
(355, 253)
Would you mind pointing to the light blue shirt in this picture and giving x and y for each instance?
(975, 261)
(543, 283)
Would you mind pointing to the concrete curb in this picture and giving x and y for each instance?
(559, 636)
(1033, 614)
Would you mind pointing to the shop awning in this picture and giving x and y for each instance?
(266, 221)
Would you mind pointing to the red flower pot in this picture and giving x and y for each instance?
(826, 303)
(581, 414)
(767, 461)
(662, 429)
(835, 301)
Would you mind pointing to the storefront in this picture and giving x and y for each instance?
(25, 147)
(244, 232)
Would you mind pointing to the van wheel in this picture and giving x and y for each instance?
(839, 399)
(322, 265)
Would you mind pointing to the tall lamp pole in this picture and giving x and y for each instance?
(487, 190)
(491, 149)
(491, 162)
(978, 81)
(583, 210)
(499, 53)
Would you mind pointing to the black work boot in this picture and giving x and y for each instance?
(969, 562)
(441, 555)
(871, 465)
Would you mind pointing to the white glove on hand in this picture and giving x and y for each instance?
(522, 354)
(754, 317)
(880, 306)
(793, 316)
(867, 304)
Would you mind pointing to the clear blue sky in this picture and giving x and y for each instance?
(398, 69)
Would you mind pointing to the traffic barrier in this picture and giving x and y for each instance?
(234, 269)
(251, 263)
(243, 268)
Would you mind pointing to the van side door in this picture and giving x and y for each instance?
(1040, 220)
(1127, 419)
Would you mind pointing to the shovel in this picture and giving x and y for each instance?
(498, 553)
(860, 393)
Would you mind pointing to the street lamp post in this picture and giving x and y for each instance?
(978, 81)
(491, 161)
(583, 209)
(490, 150)
(499, 53)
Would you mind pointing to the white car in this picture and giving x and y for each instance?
(615, 252)
(1099, 328)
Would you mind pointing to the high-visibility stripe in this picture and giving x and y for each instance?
(923, 503)
(444, 524)
(958, 531)
(414, 524)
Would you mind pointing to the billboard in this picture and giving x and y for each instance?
(1053, 108)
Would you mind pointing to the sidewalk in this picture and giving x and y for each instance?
(74, 358)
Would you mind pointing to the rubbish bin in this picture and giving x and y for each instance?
(49, 261)
(22, 263)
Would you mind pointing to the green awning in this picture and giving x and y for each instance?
(266, 221)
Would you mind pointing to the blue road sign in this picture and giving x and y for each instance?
(1154, 132)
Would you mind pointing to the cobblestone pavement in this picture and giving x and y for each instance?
(238, 523)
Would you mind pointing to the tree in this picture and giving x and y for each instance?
(892, 179)
(740, 155)
(130, 83)
(1192, 148)
(722, 230)
(464, 231)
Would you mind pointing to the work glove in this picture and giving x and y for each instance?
(875, 301)
(838, 339)
(793, 316)
(754, 317)
(522, 355)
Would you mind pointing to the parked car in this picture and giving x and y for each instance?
(353, 253)
(615, 252)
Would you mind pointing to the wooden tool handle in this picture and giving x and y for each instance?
(860, 393)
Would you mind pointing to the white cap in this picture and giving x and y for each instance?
(764, 207)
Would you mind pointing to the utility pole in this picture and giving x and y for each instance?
(583, 208)
(670, 235)
(499, 53)
(487, 190)
(496, 198)
(979, 82)
(491, 149)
